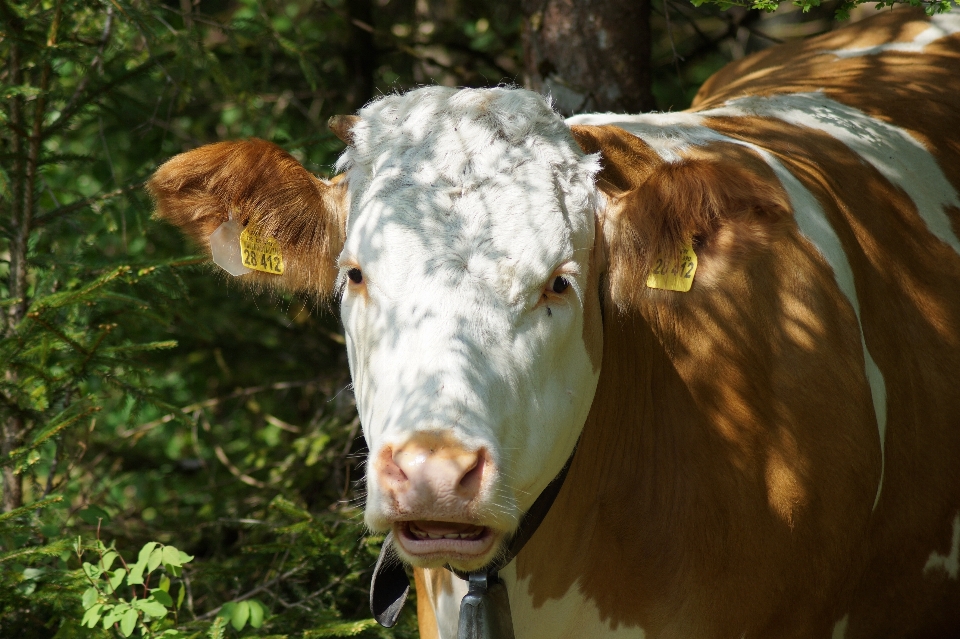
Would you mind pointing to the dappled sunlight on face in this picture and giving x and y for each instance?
(463, 214)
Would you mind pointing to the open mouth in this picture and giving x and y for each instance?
(444, 539)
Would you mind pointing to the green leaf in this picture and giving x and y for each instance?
(92, 571)
(256, 613)
(164, 583)
(90, 596)
(32, 574)
(117, 577)
(156, 558)
(180, 595)
(185, 558)
(107, 560)
(162, 596)
(152, 607)
(226, 610)
(146, 551)
(171, 556)
(113, 614)
(136, 574)
(240, 615)
(128, 622)
(92, 615)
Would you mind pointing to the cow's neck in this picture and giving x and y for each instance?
(613, 520)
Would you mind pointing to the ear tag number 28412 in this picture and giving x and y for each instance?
(260, 253)
(672, 274)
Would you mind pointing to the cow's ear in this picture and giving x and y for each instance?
(719, 200)
(341, 126)
(263, 187)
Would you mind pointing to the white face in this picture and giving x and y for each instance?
(467, 266)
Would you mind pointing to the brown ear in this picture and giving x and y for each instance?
(265, 186)
(655, 207)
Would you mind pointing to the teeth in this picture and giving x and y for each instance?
(422, 534)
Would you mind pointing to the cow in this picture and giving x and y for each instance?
(733, 332)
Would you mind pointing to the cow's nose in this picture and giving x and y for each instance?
(424, 473)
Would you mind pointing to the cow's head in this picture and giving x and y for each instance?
(470, 311)
(464, 243)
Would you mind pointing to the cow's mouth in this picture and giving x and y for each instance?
(431, 540)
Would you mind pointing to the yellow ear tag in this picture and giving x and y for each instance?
(261, 253)
(672, 275)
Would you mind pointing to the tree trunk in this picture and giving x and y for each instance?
(24, 191)
(12, 426)
(590, 55)
(362, 56)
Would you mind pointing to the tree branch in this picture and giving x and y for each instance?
(255, 591)
(139, 431)
(66, 209)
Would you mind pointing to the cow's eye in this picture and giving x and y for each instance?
(560, 284)
(355, 275)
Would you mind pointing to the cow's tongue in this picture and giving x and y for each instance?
(444, 529)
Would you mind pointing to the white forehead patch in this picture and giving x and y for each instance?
(480, 184)
(438, 145)
(941, 26)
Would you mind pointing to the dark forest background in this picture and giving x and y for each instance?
(181, 458)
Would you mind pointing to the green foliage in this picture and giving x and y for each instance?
(147, 608)
(77, 298)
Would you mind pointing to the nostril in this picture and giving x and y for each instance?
(423, 471)
(471, 480)
(390, 469)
